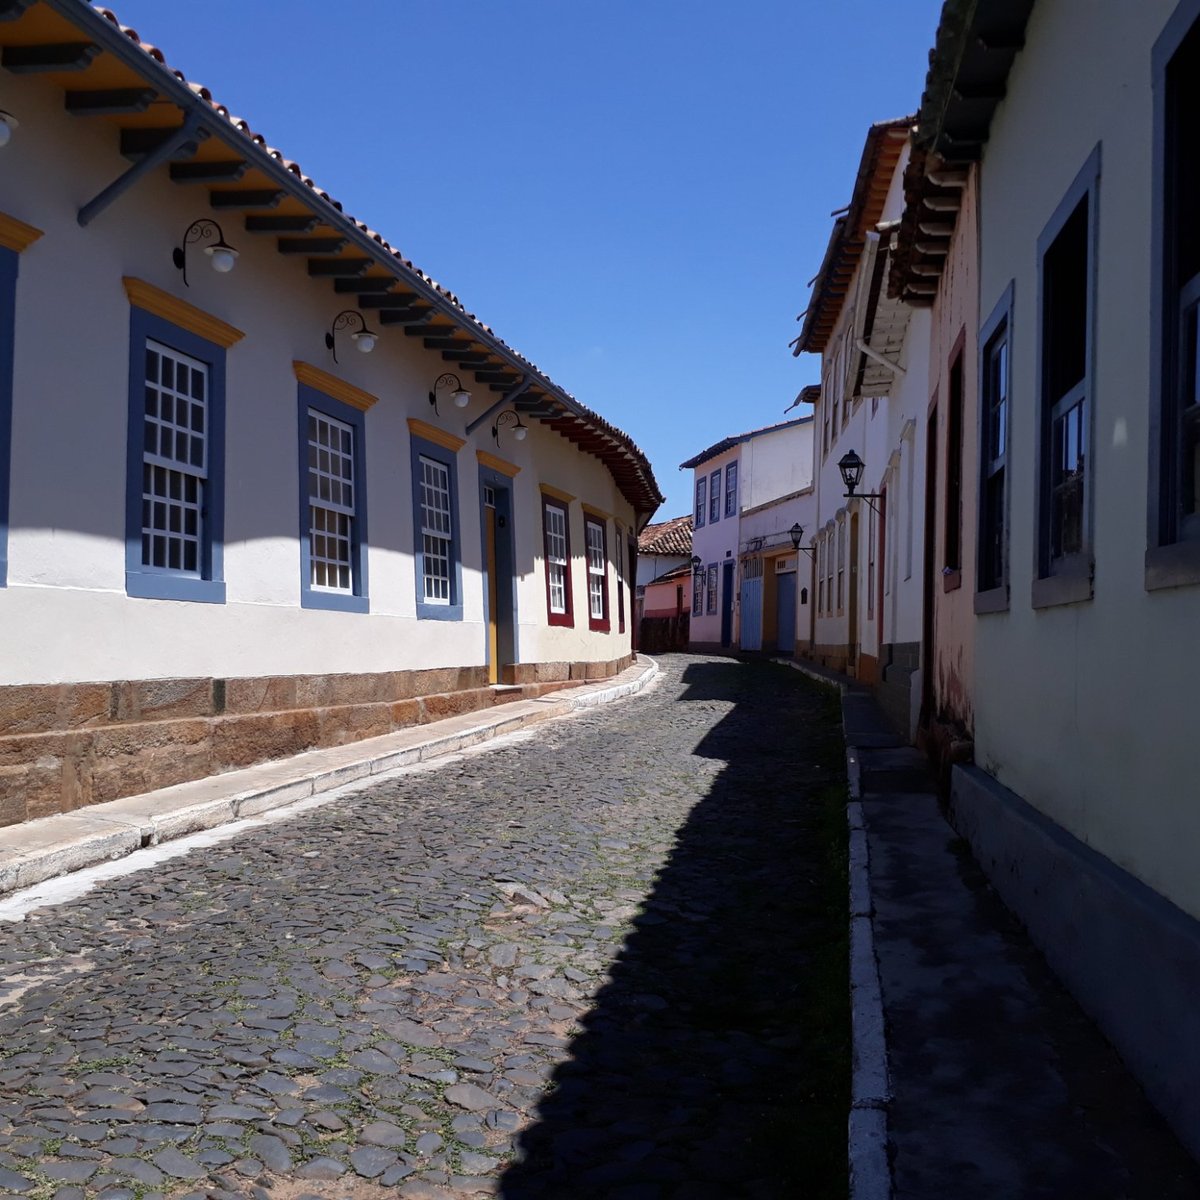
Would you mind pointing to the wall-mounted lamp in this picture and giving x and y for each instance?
(461, 396)
(364, 339)
(7, 124)
(697, 564)
(519, 429)
(852, 467)
(797, 535)
(220, 253)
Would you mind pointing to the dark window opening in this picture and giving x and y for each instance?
(994, 447)
(954, 448)
(1065, 322)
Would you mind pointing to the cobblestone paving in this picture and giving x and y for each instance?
(566, 967)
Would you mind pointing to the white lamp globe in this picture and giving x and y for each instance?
(364, 341)
(223, 258)
(520, 432)
(7, 124)
(461, 397)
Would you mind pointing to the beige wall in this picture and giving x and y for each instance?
(1087, 709)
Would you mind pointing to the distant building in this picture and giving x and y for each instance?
(747, 471)
(663, 585)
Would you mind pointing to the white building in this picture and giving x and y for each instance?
(868, 613)
(745, 472)
(225, 534)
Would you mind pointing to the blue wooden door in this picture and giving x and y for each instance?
(726, 603)
(751, 627)
(785, 614)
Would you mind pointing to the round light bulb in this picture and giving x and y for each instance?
(223, 258)
(364, 341)
(7, 125)
(462, 398)
(520, 432)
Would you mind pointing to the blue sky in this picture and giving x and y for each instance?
(633, 194)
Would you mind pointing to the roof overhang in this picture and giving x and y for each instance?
(884, 145)
(165, 123)
(974, 49)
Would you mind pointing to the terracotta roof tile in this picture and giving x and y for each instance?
(667, 537)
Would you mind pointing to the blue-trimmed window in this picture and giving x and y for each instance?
(731, 475)
(437, 542)
(714, 497)
(333, 504)
(701, 501)
(8, 310)
(175, 497)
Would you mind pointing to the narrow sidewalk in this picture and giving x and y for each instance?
(995, 1084)
(36, 851)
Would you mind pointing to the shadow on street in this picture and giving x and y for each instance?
(715, 1061)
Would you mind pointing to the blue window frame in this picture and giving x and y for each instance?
(437, 532)
(8, 309)
(333, 503)
(701, 501)
(731, 474)
(175, 466)
(714, 497)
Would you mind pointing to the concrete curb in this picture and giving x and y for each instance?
(44, 849)
(870, 1093)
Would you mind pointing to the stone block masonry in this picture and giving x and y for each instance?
(65, 746)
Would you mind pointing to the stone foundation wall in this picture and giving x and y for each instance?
(64, 746)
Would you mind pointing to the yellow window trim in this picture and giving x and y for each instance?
(431, 433)
(187, 316)
(331, 385)
(556, 493)
(16, 235)
(598, 513)
(496, 464)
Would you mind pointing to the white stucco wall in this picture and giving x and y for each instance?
(65, 615)
(1086, 710)
(889, 436)
(776, 463)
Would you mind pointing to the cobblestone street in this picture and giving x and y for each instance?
(592, 962)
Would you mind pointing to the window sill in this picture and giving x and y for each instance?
(439, 612)
(1072, 586)
(565, 620)
(994, 600)
(1177, 565)
(334, 602)
(951, 579)
(145, 585)
(601, 626)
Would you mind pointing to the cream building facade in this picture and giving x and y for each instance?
(223, 538)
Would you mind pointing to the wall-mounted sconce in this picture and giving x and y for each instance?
(7, 124)
(519, 428)
(364, 339)
(797, 535)
(697, 564)
(461, 396)
(220, 253)
(852, 468)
